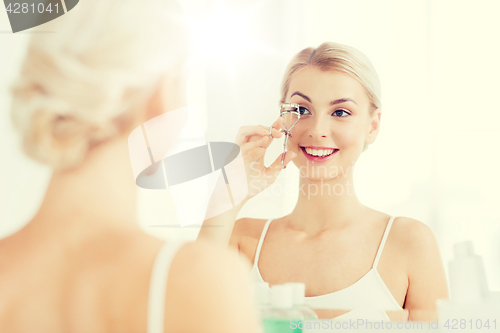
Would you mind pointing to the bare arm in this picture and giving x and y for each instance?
(426, 275)
(218, 229)
(249, 176)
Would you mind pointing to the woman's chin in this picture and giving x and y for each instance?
(319, 178)
(318, 171)
(318, 175)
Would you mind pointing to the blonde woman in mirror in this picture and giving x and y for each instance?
(347, 254)
(82, 264)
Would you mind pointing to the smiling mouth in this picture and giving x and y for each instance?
(318, 152)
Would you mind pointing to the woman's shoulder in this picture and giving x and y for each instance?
(424, 266)
(246, 234)
(202, 254)
(200, 273)
(188, 254)
(407, 230)
(414, 239)
(412, 232)
(406, 234)
(249, 227)
(196, 269)
(202, 260)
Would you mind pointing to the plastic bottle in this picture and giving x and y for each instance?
(261, 293)
(299, 291)
(281, 316)
(471, 306)
(467, 275)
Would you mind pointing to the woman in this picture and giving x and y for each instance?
(349, 255)
(83, 264)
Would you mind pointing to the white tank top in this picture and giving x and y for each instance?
(158, 285)
(368, 297)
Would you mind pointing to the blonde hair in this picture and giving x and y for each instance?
(337, 57)
(85, 82)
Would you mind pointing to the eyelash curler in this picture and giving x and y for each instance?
(290, 112)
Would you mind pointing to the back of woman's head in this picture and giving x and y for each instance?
(336, 57)
(88, 79)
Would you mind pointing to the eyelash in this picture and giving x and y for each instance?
(342, 110)
(339, 110)
(301, 108)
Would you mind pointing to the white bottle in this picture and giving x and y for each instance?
(467, 275)
(261, 294)
(281, 316)
(470, 307)
(299, 291)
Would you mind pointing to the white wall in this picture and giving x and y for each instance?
(435, 157)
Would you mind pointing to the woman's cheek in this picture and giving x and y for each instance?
(292, 144)
(348, 138)
(294, 140)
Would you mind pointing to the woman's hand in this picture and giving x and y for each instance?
(246, 177)
(253, 142)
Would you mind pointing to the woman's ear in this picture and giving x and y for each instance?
(374, 126)
(169, 94)
(155, 105)
(150, 107)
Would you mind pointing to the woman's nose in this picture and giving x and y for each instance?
(319, 128)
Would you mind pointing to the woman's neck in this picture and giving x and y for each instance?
(100, 193)
(326, 204)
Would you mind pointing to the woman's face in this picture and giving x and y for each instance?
(335, 116)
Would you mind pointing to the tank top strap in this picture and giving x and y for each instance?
(261, 240)
(158, 285)
(382, 243)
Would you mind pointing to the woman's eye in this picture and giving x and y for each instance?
(338, 113)
(303, 110)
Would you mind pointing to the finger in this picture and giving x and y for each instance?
(255, 137)
(278, 123)
(245, 132)
(256, 153)
(276, 133)
(276, 128)
(246, 147)
(274, 169)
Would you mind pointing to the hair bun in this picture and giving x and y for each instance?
(52, 134)
(94, 78)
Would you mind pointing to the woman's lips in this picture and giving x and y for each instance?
(317, 158)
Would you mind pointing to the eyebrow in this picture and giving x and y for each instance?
(337, 101)
(343, 100)
(301, 95)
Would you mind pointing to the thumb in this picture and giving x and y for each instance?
(274, 169)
